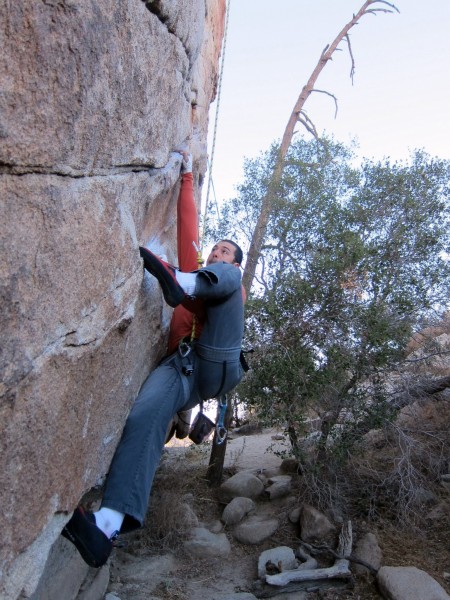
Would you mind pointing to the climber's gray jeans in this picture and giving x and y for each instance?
(167, 390)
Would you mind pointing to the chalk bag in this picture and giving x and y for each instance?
(201, 428)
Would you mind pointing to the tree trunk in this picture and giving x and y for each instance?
(217, 457)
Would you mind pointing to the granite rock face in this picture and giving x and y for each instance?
(95, 98)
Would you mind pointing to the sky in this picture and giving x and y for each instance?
(399, 99)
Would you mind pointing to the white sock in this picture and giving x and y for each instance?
(187, 281)
(108, 520)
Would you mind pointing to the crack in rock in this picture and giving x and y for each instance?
(156, 8)
(18, 170)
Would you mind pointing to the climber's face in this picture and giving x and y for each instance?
(222, 252)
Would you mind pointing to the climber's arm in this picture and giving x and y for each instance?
(187, 225)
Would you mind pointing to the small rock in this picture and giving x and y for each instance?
(409, 583)
(368, 550)
(290, 465)
(215, 526)
(263, 479)
(255, 529)
(269, 472)
(314, 525)
(280, 479)
(242, 484)
(278, 489)
(283, 557)
(205, 544)
(236, 510)
(294, 515)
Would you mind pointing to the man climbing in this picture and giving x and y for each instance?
(205, 365)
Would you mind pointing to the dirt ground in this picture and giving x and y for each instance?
(154, 566)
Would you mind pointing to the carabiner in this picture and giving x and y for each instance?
(184, 349)
(221, 431)
(221, 435)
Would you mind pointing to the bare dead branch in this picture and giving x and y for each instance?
(345, 540)
(339, 569)
(374, 11)
(426, 357)
(308, 124)
(305, 586)
(325, 550)
(425, 388)
(332, 96)
(388, 4)
(391, 8)
(352, 59)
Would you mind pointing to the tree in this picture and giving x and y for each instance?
(268, 198)
(354, 262)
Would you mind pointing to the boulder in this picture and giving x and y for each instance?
(255, 529)
(96, 97)
(368, 550)
(236, 510)
(242, 484)
(314, 525)
(409, 583)
(282, 557)
(205, 544)
(279, 486)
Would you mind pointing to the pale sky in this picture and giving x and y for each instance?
(399, 101)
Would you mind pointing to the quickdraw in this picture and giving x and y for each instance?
(221, 430)
(184, 349)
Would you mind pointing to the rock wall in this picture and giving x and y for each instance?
(95, 97)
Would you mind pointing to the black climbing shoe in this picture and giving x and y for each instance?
(90, 541)
(165, 274)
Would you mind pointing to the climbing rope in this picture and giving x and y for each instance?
(219, 90)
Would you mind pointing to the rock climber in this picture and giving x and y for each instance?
(204, 362)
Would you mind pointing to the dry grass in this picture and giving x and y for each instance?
(180, 494)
